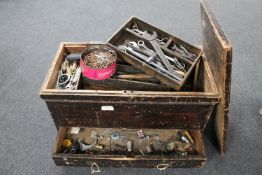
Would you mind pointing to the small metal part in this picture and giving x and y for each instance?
(181, 73)
(183, 147)
(140, 134)
(73, 56)
(260, 111)
(129, 145)
(95, 168)
(184, 139)
(75, 148)
(64, 67)
(63, 80)
(74, 130)
(156, 137)
(181, 153)
(182, 51)
(178, 135)
(144, 58)
(171, 146)
(99, 146)
(93, 134)
(147, 138)
(140, 150)
(100, 137)
(84, 146)
(163, 166)
(189, 137)
(73, 66)
(67, 143)
(162, 41)
(149, 148)
(115, 136)
(76, 76)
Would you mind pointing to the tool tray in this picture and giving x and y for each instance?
(125, 33)
(133, 105)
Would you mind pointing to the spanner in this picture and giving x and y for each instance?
(145, 58)
(153, 41)
(141, 47)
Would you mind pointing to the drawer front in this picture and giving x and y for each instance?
(130, 115)
(73, 160)
(107, 158)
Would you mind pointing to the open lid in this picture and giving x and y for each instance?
(218, 52)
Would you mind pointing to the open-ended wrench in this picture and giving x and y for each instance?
(142, 48)
(153, 41)
(145, 58)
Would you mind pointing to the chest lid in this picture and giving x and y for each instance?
(218, 51)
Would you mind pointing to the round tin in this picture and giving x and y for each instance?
(97, 73)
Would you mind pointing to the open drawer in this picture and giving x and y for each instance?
(121, 157)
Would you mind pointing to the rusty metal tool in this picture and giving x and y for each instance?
(145, 58)
(141, 47)
(153, 41)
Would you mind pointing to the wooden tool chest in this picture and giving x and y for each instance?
(155, 110)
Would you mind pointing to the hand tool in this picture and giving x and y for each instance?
(178, 50)
(63, 80)
(182, 51)
(145, 58)
(129, 146)
(141, 45)
(152, 39)
(142, 48)
(133, 76)
(85, 147)
(189, 137)
(73, 56)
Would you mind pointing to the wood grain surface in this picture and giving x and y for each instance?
(218, 51)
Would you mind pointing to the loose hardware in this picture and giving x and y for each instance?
(69, 73)
(136, 142)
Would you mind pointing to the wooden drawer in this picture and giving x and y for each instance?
(197, 159)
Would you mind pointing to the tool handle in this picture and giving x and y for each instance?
(133, 76)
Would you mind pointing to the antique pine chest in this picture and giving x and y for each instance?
(153, 110)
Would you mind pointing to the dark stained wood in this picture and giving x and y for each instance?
(129, 115)
(120, 84)
(128, 69)
(132, 109)
(126, 34)
(66, 48)
(120, 161)
(148, 161)
(218, 51)
(145, 109)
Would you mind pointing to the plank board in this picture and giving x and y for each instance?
(218, 51)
